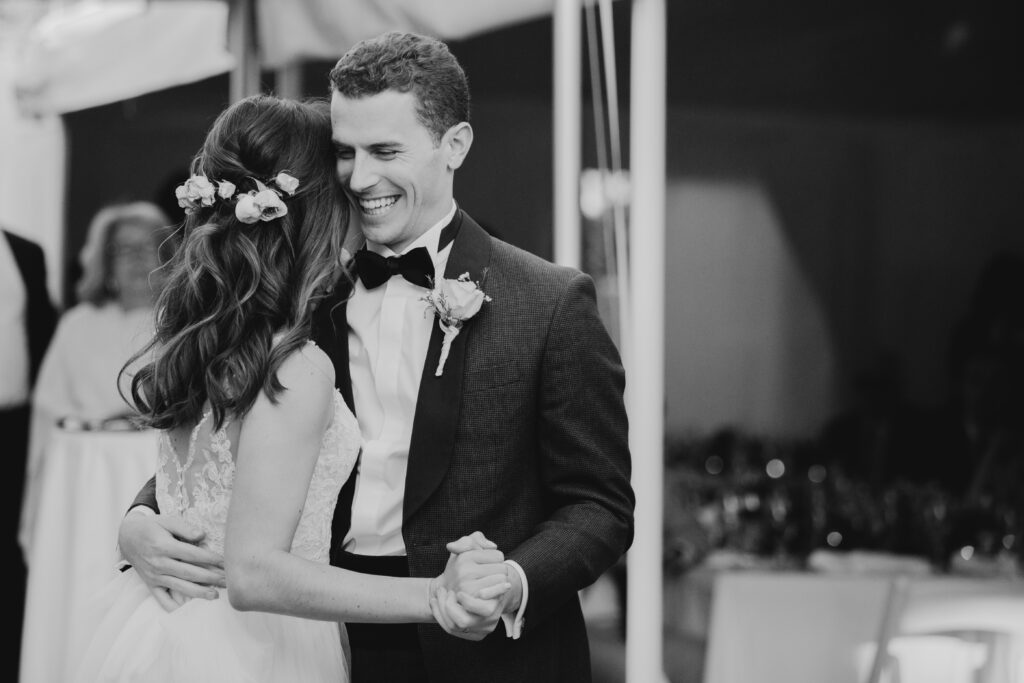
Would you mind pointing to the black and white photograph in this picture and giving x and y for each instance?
(548, 341)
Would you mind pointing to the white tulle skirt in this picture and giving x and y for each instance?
(134, 639)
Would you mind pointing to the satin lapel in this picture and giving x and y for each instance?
(339, 356)
(437, 406)
(330, 332)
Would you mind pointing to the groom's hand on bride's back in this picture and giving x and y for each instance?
(165, 552)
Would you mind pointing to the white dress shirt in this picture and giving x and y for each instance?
(388, 335)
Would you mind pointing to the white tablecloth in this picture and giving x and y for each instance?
(89, 479)
(802, 627)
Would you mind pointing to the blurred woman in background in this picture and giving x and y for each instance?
(77, 384)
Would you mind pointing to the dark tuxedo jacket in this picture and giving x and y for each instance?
(523, 437)
(40, 315)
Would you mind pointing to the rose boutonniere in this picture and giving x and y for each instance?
(453, 301)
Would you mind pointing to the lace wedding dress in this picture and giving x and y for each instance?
(208, 640)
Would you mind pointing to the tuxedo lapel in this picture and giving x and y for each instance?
(437, 405)
(330, 332)
(342, 372)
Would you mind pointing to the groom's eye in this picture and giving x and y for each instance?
(343, 152)
(386, 153)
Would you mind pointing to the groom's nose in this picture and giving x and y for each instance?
(363, 173)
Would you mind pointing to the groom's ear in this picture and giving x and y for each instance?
(458, 139)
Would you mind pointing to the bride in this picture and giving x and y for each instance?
(255, 440)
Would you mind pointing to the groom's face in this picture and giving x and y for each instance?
(397, 180)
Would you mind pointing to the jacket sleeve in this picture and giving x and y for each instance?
(41, 316)
(146, 496)
(584, 457)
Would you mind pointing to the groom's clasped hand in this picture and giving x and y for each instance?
(468, 599)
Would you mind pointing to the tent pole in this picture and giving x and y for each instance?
(288, 81)
(567, 99)
(245, 76)
(645, 388)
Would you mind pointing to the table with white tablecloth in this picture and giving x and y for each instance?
(89, 478)
(809, 627)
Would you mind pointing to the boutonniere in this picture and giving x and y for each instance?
(453, 301)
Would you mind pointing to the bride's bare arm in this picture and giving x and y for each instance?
(277, 451)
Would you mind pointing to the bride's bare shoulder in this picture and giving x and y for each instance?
(318, 358)
(307, 371)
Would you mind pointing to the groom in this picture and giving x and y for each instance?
(513, 426)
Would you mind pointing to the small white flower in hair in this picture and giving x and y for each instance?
(246, 210)
(225, 189)
(270, 205)
(183, 201)
(262, 204)
(195, 193)
(286, 182)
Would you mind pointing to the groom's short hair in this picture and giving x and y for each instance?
(407, 62)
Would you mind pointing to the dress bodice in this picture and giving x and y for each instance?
(198, 486)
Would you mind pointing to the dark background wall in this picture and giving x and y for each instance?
(888, 137)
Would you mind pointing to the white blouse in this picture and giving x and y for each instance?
(78, 381)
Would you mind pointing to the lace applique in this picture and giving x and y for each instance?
(341, 441)
(199, 489)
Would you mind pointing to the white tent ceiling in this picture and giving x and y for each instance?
(324, 29)
(90, 52)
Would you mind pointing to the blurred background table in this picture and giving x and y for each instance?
(809, 627)
(89, 479)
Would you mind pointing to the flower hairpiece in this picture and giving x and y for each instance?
(265, 203)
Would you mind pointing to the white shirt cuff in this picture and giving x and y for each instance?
(514, 623)
(123, 564)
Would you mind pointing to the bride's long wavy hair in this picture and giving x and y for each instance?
(233, 286)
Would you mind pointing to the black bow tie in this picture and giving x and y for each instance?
(374, 270)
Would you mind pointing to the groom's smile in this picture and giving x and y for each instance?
(377, 206)
(394, 173)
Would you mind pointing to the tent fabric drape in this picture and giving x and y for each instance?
(89, 54)
(32, 173)
(324, 29)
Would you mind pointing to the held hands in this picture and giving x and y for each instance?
(467, 599)
(165, 552)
